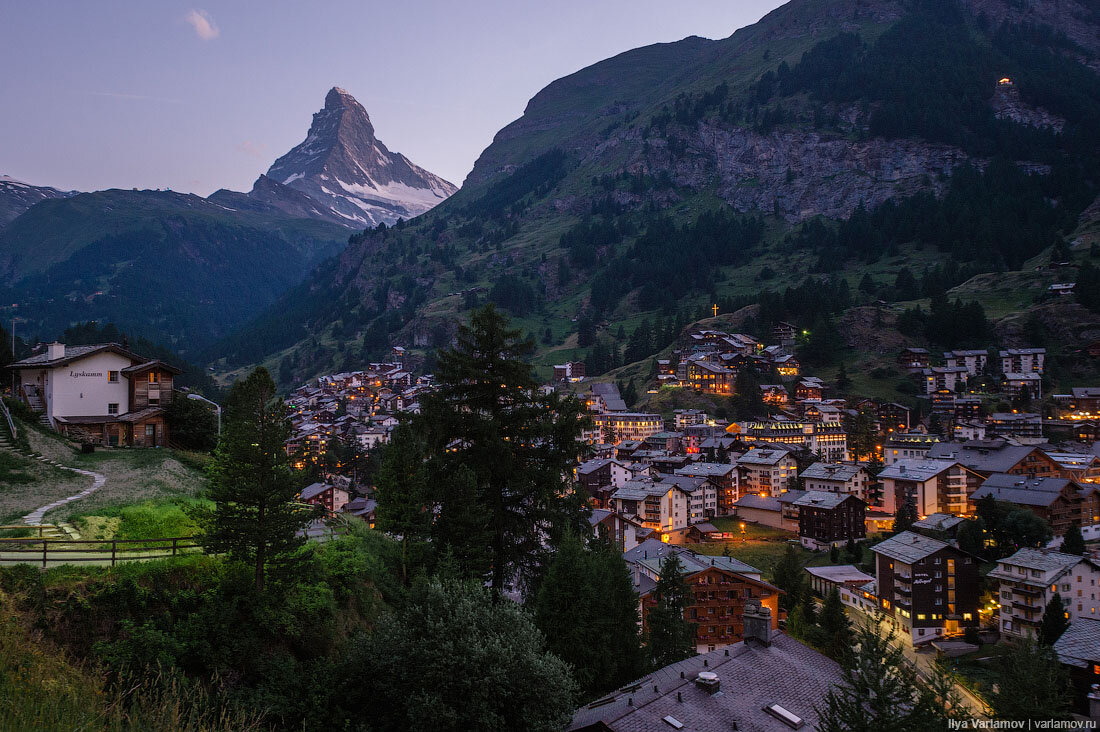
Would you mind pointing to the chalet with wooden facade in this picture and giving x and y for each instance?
(102, 393)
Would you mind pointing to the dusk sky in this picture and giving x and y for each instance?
(173, 95)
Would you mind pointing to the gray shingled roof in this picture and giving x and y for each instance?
(72, 353)
(1019, 496)
(1080, 645)
(1043, 560)
(751, 500)
(938, 522)
(757, 456)
(915, 469)
(831, 471)
(987, 456)
(908, 547)
(841, 573)
(821, 499)
(752, 676)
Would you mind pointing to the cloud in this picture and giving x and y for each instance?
(254, 149)
(202, 24)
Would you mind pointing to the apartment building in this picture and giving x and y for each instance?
(1030, 578)
(929, 587)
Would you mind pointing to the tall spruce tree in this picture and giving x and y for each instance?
(836, 630)
(880, 690)
(1073, 542)
(488, 416)
(1053, 622)
(670, 638)
(255, 518)
(1031, 683)
(789, 578)
(587, 609)
(905, 517)
(403, 485)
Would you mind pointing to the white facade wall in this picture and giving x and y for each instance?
(82, 389)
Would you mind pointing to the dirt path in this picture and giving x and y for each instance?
(36, 516)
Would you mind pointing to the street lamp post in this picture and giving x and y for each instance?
(217, 408)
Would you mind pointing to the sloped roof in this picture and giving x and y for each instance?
(752, 677)
(822, 499)
(938, 522)
(909, 547)
(74, 353)
(1080, 645)
(831, 471)
(916, 469)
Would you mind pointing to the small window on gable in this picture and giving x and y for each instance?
(154, 377)
(112, 408)
(112, 377)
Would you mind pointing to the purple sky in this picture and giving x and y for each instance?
(199, 97)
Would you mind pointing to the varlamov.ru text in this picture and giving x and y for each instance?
(1021, 724)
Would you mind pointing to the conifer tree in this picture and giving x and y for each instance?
(670, 637)
(462, 525)
(789, 577)
(402, 484)
(256, 518)
(905, 517)
(488, 416)
(1073, 542)
(1054, 621)
(587, 608)
(836, 630)
(1031, 683)
(880, 690)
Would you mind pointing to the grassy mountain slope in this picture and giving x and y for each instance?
(830, 157)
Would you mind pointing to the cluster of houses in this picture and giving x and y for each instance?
(358, 408)
(710, 360)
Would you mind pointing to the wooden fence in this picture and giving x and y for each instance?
(44, 551)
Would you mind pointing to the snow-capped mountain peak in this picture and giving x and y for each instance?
(345, 168)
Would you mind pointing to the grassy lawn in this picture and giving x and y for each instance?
(145, 520)
(764, 546)
(134, 476)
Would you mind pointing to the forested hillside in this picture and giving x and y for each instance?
(879, 152)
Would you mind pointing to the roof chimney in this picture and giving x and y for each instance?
(758, 623)
(55, 351)
(708, 682)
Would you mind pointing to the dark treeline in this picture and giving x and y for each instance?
(668, 262)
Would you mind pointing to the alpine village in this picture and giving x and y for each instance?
(744, 384)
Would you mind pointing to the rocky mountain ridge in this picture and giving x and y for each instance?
(350, 173)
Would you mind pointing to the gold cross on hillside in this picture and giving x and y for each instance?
(715, 309)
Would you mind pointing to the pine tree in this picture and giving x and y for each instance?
(854, 552)
(488, 416)
(1073, 542)
(587, 608)
(462, 526)
(880, 690)
(905, 517)
(835, 629)
(670, 637)
(1054, 621)
(789, 577)
(256, 517)
(1031, 683)
(402, 483)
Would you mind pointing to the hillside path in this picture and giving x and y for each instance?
(35, 517)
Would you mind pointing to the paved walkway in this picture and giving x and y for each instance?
(35, 517)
